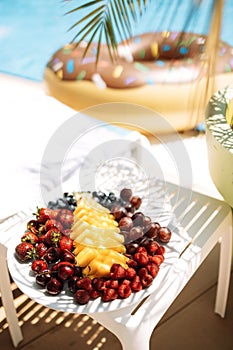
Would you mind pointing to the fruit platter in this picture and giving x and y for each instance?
(91, 252)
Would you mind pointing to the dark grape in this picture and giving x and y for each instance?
(125, 223)
(138, 219)
(126, 194)
(118, 212)
(153, 230)
(112, 197)
(135, 233)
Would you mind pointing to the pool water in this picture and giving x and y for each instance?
(32, 30)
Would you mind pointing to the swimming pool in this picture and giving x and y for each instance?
(31, 31)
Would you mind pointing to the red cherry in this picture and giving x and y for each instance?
(39, 266)
(54, 286)
(136, 202)
(66, 255)
(164, 234)
(65, 270)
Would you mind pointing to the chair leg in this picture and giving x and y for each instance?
(7, 299)
(133, 337)
(224, 268)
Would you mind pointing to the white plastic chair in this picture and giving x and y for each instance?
(7, 299)
(5, 283)
(207, 222)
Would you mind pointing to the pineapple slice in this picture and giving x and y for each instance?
(97, 238)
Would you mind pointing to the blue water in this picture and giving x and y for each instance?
(32, 30)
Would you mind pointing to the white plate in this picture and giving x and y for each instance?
(25, 280)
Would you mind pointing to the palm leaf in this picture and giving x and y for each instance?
(113, 18)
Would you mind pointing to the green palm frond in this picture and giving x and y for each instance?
(108, 21)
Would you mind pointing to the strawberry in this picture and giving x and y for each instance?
(52, 237)
(43, 214)
(29, 237)
(25, 251)
(41, 249)
(66, 243)
(51, 224)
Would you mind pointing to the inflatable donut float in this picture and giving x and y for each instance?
(163, 71)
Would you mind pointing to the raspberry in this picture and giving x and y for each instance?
(132, 263)
(117, 271)
(130, 273)
(98, 283)
(109, 294)
(152, 247)
(161, 250)
(143, 272)
(94, 294)
(111, 284)
(82, 296)
(146, 281)
(153, 269)
(84, 283)
(141, 249)
(126, 281)
(124, 291)
(136, 285)
(158, 259)
(141, 258)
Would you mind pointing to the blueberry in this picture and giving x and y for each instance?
(112, 197)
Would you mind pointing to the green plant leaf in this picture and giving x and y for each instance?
(113, 18)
